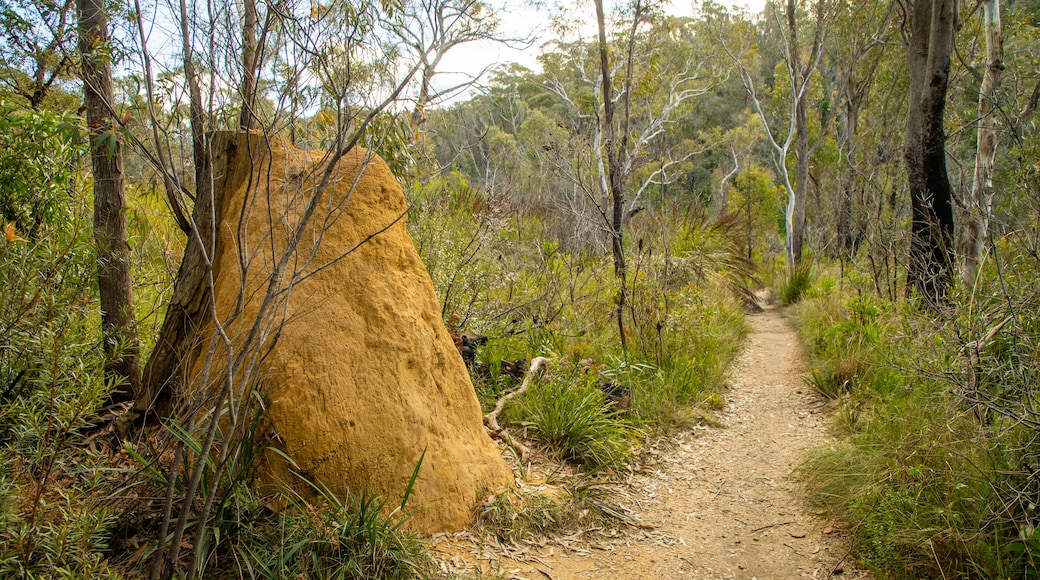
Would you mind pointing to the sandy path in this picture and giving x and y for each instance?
(722, 501)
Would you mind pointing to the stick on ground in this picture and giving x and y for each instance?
(538, 364)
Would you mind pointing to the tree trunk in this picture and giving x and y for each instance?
(113, 260)
(615, 175)
(250, 54)
(191, 298)
(190, 305)
(848, 235)
(975, 222)
(931, 197)
(797, 221)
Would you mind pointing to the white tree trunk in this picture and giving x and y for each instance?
(979, 207)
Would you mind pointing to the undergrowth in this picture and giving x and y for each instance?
(324, 537)
(934, 469)
(792, 286)
(575, 421)
(552, 297)
(518, 517)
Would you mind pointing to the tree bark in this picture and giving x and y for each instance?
(118, 326)
(801, 123)
(848, 239)
(250, 54)
(975, 222)
(615, 173)
(192, 293)
(191, 303)
(932, 33)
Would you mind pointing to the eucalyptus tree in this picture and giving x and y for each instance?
(732, 32)
(641, 96)
(862, 33)
(932, 28)
(430, 29)
(119, 332)
(615, 150)
(37, 47)
(974, 229)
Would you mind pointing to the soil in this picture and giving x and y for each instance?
(723, 502)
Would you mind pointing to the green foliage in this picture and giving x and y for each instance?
(67, 533)
(700, 343)
(575, 421)
(846, 339)
(388, 135)
(313, 534)
(932, 473)
(796, 283)
(757, 201)
(331, 538)
(52, 384)
(453, 242)
(535, 296)
(36, 52)
(155, 242)
(39, 151)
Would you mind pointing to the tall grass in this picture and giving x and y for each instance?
(575, 421)
(307, 534)
(930, 481)
(358, 537)
(794, 285)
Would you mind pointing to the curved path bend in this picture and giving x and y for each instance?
(722, 502)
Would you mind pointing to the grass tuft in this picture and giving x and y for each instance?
(575, 421)
(797, 283)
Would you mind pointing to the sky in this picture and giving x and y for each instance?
(521, 19)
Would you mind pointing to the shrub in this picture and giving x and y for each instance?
(932, 472)
(796, 284)
(704, 333)
(39, 151)
(847, 340)
(53, 518)
(575, 421)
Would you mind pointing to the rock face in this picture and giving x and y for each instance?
(363, 376)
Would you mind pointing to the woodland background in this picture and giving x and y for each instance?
(876, 164)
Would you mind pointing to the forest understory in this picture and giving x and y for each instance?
(612, 210)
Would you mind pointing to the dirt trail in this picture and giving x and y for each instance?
(722, 501)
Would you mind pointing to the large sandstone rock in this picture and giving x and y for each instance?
(364, 376)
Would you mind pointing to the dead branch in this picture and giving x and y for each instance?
(974, 350)
(538, 364)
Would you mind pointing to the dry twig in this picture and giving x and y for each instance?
(538, 364)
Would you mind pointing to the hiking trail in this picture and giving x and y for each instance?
(723, 502)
